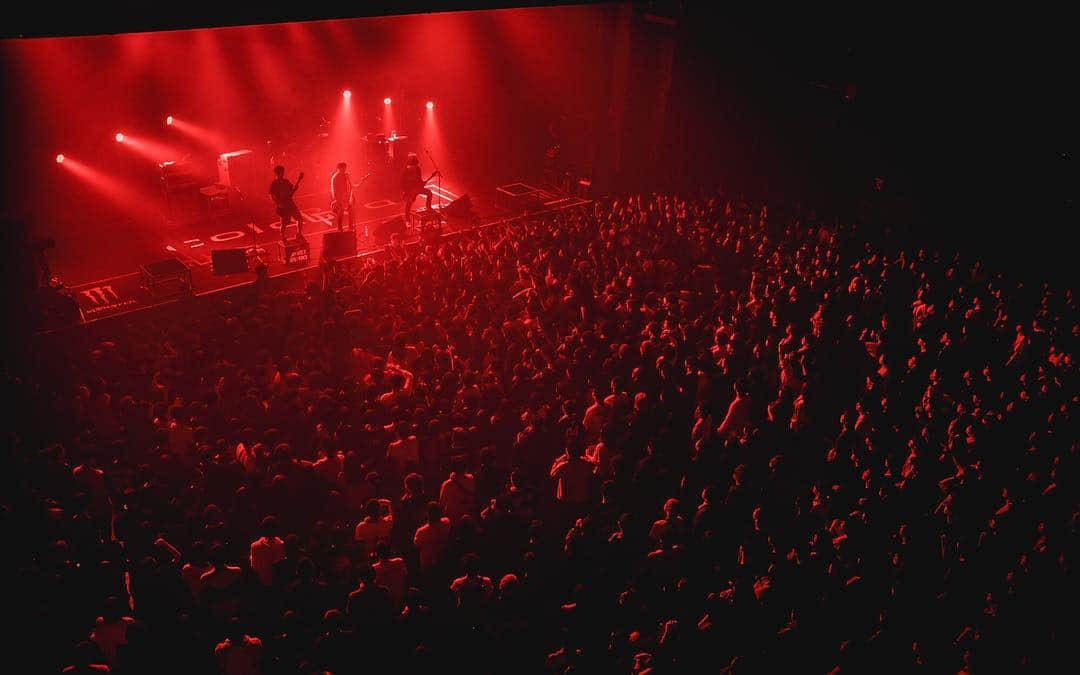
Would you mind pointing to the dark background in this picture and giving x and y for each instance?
(963, 114)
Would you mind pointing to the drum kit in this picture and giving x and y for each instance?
(380, 148)
(377, 152)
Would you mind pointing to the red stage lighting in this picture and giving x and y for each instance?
(431, 105)
(119, 137)
(169, 120)
(347, 93)
(386, 100)
(59, 159)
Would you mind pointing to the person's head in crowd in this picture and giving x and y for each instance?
(470, 564)
(217, 555)
(113, 609)
(269, 527)
(414, 484)
(373, 509)
(234, 630)
(197, 554)
(332, 619)
(434, 512)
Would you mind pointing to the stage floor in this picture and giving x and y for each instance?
(103, 271)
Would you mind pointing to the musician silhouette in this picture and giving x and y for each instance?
(413, 185)
(282, 191)
(341, 196)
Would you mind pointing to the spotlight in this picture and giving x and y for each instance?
(60, 159)
(347, 94)
(169, 120)
(431, 105)
(119, 137)
(386, 100)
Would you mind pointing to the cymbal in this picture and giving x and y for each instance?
(381, 138)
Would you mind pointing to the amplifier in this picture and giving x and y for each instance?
(166, 278)
(295, 252)
(238, 170)
(459, 208)
(229, 261)
(381, 232)
(340, 244)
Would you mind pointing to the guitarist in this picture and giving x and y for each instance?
(412, 184)
(341, 194)
(282, 191)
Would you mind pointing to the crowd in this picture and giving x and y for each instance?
(654, 434)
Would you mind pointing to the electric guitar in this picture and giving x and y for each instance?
(282, 201)
(414, 188)
(362, 180)
(428, 179)
(352, 186)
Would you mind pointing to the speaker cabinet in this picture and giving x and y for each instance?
(229, 261)
(382, 232)
(459, 208)
(340, 244)
(238, 170)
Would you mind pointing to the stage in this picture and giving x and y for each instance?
(104, 275)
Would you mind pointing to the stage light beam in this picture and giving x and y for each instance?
(148, 148)
(60, 159)
(204, 136)
(386, 100)
(113, 189)
(347, 94)
(431, 105)
(169, 121)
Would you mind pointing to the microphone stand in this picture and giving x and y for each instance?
(438, 195)
(254, 250)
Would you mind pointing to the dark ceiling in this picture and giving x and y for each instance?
(134, 16)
